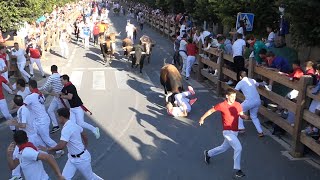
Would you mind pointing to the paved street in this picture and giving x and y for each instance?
(140, 141)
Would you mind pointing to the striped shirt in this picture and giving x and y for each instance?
(53, 81)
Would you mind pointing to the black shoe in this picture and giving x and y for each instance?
(44, 76)
(31, 75)
(187, 78)
(54, 129)
(239, 174)
(206, 157)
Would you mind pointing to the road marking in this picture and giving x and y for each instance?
(98, 80)
(98, 68)
(121, 79)
(76, 78)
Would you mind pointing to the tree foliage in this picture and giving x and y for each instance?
(14, 12)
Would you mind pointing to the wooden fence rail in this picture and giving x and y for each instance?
(215, 59)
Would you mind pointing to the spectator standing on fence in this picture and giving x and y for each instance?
(192, 51)
(230, 113)
(35, 54)
(183, 53)
(238, 48)
(20, 55)
(252, 101)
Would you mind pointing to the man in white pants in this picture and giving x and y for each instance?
(24, 122)
(230, 112)
(35, 54)
(252, 102)
(4, 73)
(21, 55)
(56, 103)
(183, 53)
(77, 108)
(30, 159)
(3, 103)
(63, 42)
(35, 103)
(130, 28)
(74, 138)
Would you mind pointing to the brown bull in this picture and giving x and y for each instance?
(171, 79)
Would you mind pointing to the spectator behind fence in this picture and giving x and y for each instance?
(257, 46)
(238, 48)
(225, 45)
(277, 62)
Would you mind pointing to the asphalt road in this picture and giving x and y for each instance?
(140, 141)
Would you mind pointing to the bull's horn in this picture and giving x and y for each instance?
(164, 61)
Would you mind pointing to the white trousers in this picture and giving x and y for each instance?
(5, 111)
(24, 73)
(64, 49)
(230, 140)
(181, 98)
(253, 107)
(83, 164)
(6, 87)
(37, 61)
(54, 105)
(42, 127)
(77, 116)
(86, 41)
(184, 61)
(190, 62)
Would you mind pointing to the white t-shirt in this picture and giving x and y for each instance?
(71, 133)
(24, 93)
(237, 47)
(248, 87)
(271, 36)
(32, 168)
(203, 35)
(23, 115)
(2, 66)
(181, 99)
(183, 30)
(176, 111)
(35, 103)
(183, 45)
(20, 56)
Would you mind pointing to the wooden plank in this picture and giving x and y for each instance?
(210, 63)
(310, 142)
(276, 98)
(209, 76)
(213, 51)
(228, 57)
(276, 77)
(312, 96)
(229, 73)
(311, 118)
(276, 119)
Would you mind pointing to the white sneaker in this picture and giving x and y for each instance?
(215, 73)
(16, 178)
(59, 154)
(230, 82)
(97, 133)
(268, 87)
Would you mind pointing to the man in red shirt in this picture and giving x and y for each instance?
(192, 51)
(230, 112)
(35, 54)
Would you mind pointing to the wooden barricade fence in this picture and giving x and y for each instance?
(216, 60)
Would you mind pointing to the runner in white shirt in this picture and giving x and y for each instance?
(35, 103)
(4, 73)
(130, 29)
(74, 138)
(252, 102)
(183, 53)
(30, 159)
(54, 82)
(24, 122)
(183, 103)
(21, 55)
